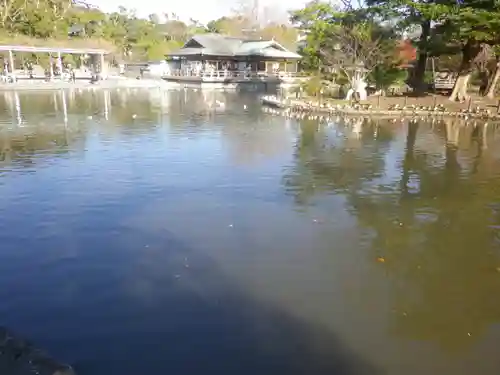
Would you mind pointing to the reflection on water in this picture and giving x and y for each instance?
(186, 231)
(431, 213)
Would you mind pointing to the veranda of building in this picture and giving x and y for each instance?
(95, 56)
(217, 56)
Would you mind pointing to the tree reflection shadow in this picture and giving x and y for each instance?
(435, 227)
(198, 320)
(340, 162)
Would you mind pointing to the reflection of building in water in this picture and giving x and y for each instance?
(107, 103)
(22, 109)
(154, 98)
(159, 99)
(13, 103)
(258, 140)
(210, 99)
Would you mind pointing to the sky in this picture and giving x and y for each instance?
(201, 10)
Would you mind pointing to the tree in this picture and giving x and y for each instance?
(175, 30)
(470, 24)
(495, 75)
(237, 26)
(406, 15)
(346, 39)
(384, 76)
(357, 49)
(11, 11)
(315, 19)
(283, 34)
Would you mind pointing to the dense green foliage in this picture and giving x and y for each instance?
(346, 41)
(440, 30)
(71, 23)
(454, 33)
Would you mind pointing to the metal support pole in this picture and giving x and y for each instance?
(11, 62)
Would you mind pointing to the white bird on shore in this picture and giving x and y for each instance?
(134, 116)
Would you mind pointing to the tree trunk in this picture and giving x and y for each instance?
(460, 89)
(493, 81)
(469, 52)
(423, 54)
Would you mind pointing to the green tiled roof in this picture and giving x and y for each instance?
(221, 45)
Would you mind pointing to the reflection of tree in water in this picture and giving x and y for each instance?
(26, 149)
(134, 113)
(436, 227)
(341, 162)
(252, 139)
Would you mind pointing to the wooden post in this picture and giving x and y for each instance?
(378, 101)
(435, 101)
(406, 100)
(498, 107)
(470, 104)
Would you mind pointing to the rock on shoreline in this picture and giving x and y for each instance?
(19, 357)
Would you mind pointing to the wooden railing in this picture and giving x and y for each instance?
(231, 74)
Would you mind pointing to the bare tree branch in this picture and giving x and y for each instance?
(11, 10)
(351, 48)
(350, 5)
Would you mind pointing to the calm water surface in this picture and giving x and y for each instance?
(153, 234)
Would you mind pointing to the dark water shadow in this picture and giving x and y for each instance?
(197, 320)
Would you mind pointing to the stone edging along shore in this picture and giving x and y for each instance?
(298, 106)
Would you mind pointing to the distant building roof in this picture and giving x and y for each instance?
(221, 45)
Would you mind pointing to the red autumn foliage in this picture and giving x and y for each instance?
(405, 53)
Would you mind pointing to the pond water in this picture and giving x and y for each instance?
(150, 232)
